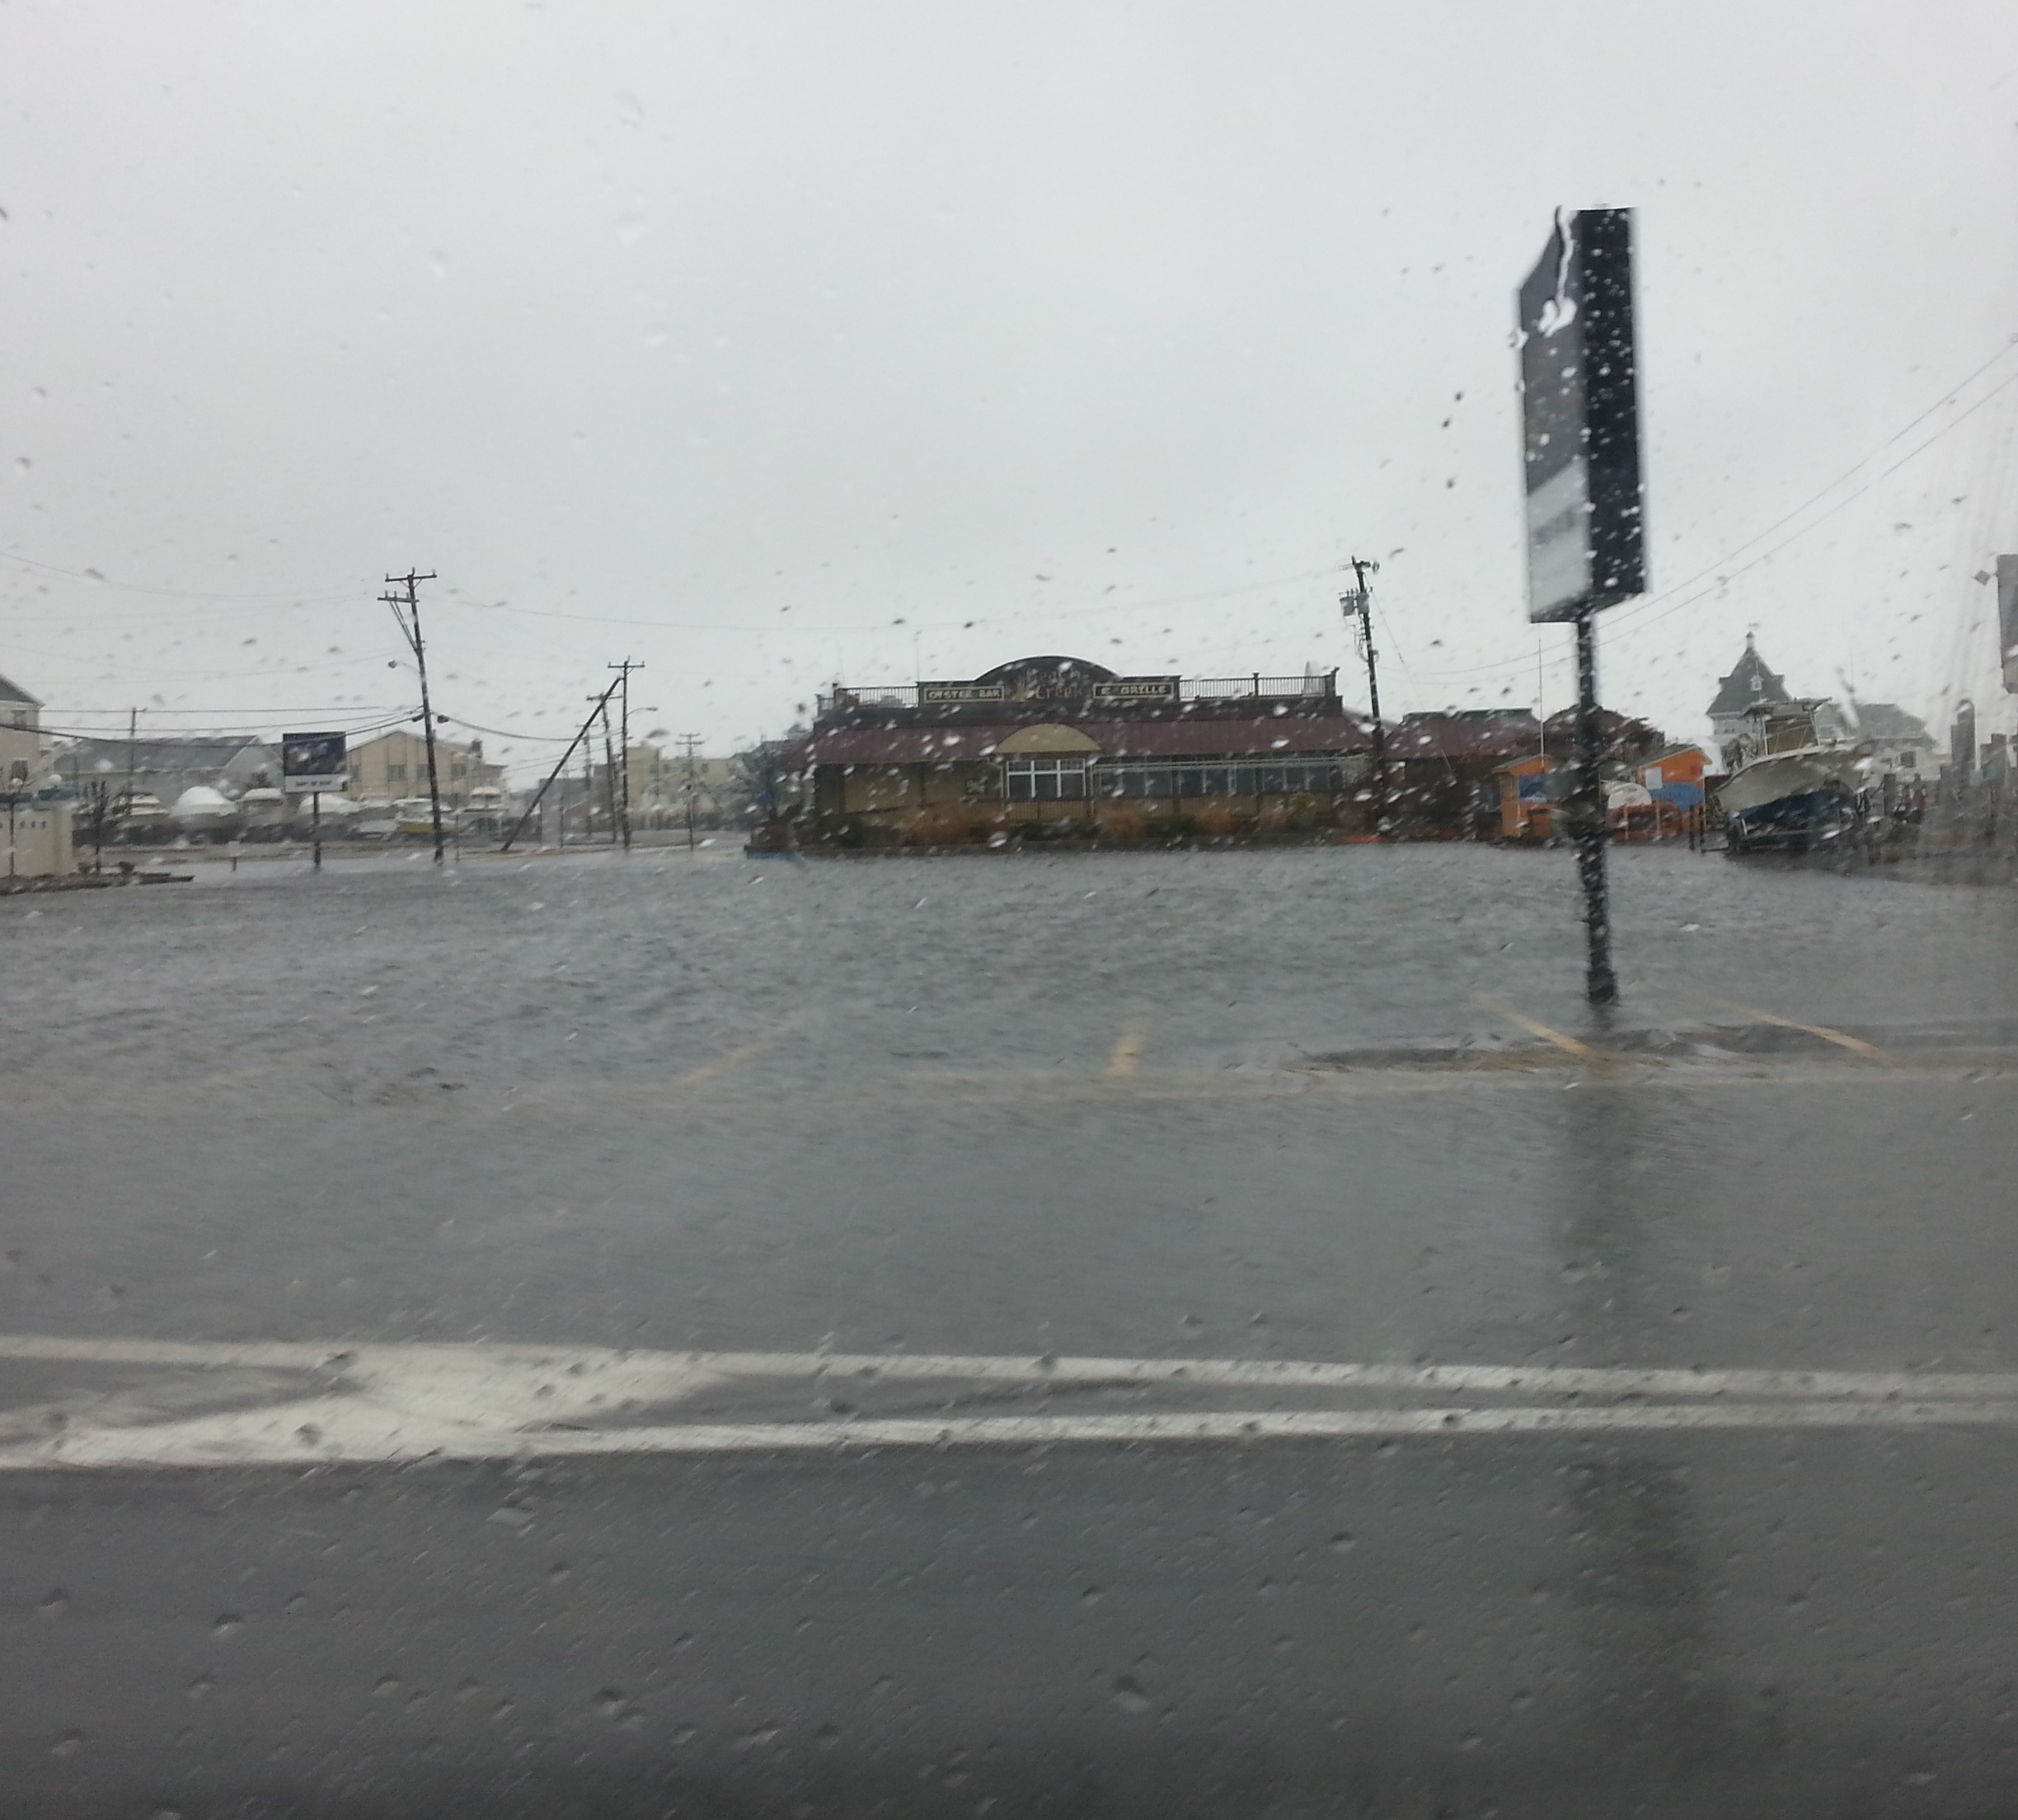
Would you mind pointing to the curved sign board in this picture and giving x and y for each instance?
(1580, 419)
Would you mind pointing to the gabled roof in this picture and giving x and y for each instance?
(12, 691)
(1888, 720)
(1747, 685)
(1465, 733)
(187, 751)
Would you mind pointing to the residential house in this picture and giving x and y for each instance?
(37, 808)
(21, 736)
(1741, 696)
(1442, 767)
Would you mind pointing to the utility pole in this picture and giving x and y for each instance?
(407, 612)
(690, 744)
(623, 743)
(1358, 605)
(581, 739)
(133, 750)
(609, 765)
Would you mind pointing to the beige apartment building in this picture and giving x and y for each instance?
(21, 736)
(394, 765)
(36, 830)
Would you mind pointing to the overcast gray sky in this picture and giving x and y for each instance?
(772, 343)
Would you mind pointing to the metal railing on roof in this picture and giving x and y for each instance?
(1252, 686)
(1239, 689)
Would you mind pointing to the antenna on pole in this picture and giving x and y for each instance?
(1358, 608)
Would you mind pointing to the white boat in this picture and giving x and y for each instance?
(1792, 801)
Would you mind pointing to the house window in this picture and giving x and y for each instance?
(1218, 778)
(396, 774)
(458, 770)
(1907, 760)
(1045, 780)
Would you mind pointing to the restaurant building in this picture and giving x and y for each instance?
(1056, 747)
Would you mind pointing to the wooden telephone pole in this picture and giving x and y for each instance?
(623, 746)
(1358, 607)
(407, 612)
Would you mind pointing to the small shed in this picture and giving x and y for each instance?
(1525, 810)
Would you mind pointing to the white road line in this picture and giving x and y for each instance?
(575, 1372)
(173, 1447)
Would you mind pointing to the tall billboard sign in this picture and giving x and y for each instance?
(313, 762)
(1580, 419)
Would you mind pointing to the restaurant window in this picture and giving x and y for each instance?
(1216, 778)
(1045, 780)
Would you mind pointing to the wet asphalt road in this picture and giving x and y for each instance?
(1320, 1105)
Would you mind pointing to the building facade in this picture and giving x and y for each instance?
(394, 766)
(160, 769)
(1057, 746)
(1742, 700)
(20, 735)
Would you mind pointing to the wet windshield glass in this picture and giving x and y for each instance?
(1083, 910)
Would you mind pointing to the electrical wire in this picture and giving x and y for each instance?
(1624, 620)
(504, 733)
(99, 580)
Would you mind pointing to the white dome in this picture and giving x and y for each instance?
(201, 799)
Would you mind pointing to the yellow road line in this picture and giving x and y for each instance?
(733, 1058)
(1582, 1051)
(1127, 1056)
(1856, 1044)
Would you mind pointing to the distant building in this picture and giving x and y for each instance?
(37, 809)
(165, 768)
(395, 766)
(1754, 713)
(1052, 745)
(1749, 688)
(1898, 741)
(1442, 768)
(664, 784)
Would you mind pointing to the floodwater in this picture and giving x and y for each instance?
(1088, 1140)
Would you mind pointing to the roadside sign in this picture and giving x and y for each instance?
(1580, 419)
(312, 762)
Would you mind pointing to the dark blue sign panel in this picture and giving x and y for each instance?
(314, 762)
(1580, 419)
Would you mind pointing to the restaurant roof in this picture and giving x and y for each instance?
(1252, 736)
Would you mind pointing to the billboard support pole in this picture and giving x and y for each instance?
(314, 825)
(1601, 983)
(1585, 498)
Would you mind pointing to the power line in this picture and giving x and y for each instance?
(96, 580)
(1627, 619)
(502, 733)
